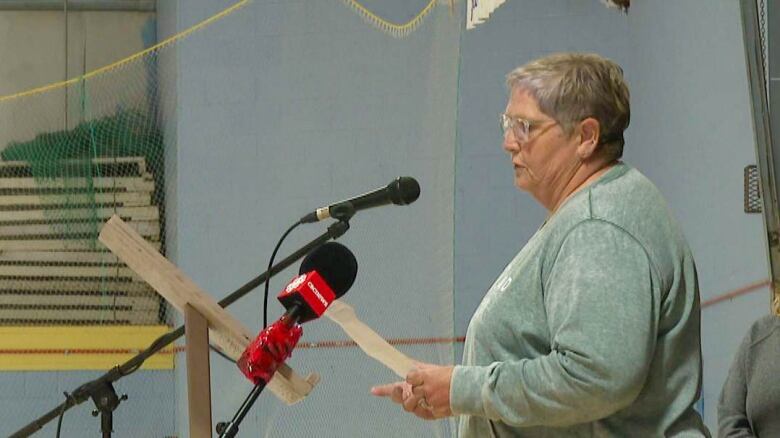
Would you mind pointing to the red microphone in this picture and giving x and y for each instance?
(326, 274)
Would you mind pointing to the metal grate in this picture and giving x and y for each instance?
(752, 190)
(763, 35)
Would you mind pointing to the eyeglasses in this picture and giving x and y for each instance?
(521, 128)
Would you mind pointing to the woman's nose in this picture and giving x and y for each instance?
(510, 144)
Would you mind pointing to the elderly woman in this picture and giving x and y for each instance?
(750, 400)
(593, 328)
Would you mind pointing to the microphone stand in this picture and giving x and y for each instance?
(106, 401)
(290, 339)
(230, 429)
(98, 389)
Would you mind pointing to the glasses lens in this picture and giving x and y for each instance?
(504, 120)
(519, 127)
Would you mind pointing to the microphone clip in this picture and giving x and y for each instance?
(343, 211)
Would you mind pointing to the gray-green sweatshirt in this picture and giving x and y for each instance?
(750, 401)
(592, 330)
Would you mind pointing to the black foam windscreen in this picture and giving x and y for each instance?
(335, 263)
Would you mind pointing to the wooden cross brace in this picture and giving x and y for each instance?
(225, 331)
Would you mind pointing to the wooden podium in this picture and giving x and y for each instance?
(196, 332)
(205, 322)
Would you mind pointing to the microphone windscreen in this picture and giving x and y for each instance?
(404, 190)
(335, 263)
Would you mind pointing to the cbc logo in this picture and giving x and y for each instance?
(295, 283)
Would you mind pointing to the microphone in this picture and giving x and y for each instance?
(326, 274)
(402, 191)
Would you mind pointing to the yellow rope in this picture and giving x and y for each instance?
(133, 57)
(395, 29)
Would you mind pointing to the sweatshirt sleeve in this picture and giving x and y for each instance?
(732, 415)
(602, 317)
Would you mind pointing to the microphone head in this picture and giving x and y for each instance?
(335, 263)
(403, 190)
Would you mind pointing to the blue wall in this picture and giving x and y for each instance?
(291, 104)
(285, 106)
(692, 122)
(149, 410)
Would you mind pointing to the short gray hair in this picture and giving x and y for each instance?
(570, 87)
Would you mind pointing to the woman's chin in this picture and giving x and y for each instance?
(521, 180)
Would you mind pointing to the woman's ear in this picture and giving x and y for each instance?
(590, 129)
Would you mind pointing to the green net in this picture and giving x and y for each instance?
(76, 171)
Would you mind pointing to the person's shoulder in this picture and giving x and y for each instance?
(625, 186)
(607, 201)
(628, 198)
(763, 328)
